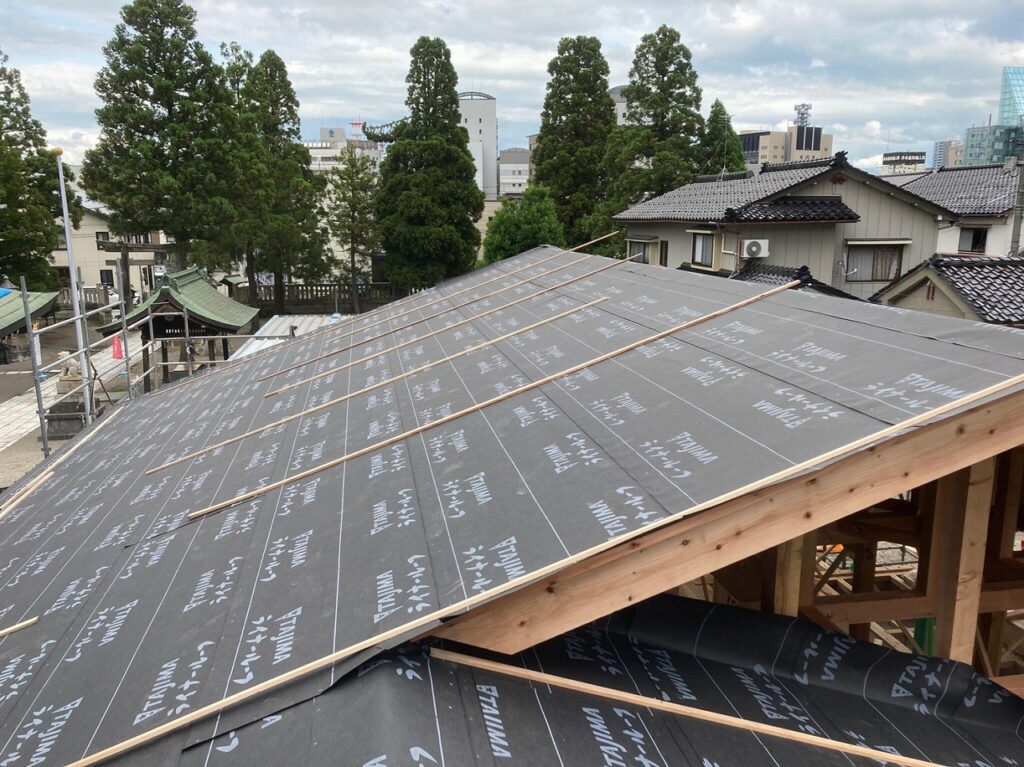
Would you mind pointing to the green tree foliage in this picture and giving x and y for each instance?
(160, 163)
(657, 150)
(720, 147)
(523, 224)
(349, 200)
(428, 200)
(577, 119)
(30, 211)
(289, 240)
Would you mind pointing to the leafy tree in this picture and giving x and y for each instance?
(577, 119)
(523, 224)
(428, 200)
(657, 150)
(160, 163)
(289, 239)
(351, 191)
(720, 147)
(29, 187)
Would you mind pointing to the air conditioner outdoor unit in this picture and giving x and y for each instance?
(755, 249)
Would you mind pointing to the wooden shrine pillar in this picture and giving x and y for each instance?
(957, 557)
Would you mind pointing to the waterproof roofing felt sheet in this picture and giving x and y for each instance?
(145, 615)
(405, 708)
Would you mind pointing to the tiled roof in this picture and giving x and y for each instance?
(12, 309)
(709, 200)
(902, 179)
(794, 209)
(188, 289)
(994, 287)
(969, 191)
(771, 274)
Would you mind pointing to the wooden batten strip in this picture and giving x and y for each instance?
(378, 385)
(65, 454)
(424, 622)
(24, 493)
(19, 626)
(433, 333)
(485, 404)
(392, 305)
(415, 322)
(643, 701)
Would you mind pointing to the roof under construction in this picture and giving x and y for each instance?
(252, 534)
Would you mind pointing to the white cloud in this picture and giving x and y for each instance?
(877, 73)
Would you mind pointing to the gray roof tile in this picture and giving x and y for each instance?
(994, 287)
(971, 190)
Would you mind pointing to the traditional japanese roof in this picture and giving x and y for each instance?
(12, 309)
(264, 529)
(762, 273)
(756, 198)
(979, 190)
(792, 209)
(902, 179)
(190, 290)
(992, 287)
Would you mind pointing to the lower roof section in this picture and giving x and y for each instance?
(405, 708)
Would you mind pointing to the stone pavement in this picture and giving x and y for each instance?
(19, 417)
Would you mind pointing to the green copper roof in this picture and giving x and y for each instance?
(189, 290)
(12, 311)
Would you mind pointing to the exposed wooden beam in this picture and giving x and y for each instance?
(864, 555)
(961, 520)
(739, 528)
(786, 575)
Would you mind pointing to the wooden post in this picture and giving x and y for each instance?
(785, 576)
(1002, 529)
(958, 557)
(864, 555)
(224, 347)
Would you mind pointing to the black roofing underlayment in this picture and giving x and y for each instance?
(404, 707)
(145, 616)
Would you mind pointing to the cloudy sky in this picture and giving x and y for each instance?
(880, 74)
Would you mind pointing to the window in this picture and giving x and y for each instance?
(973, 240)
(703, 250)
(663, 253)
(873, 263)
(102, 236)
(62, 243)
(107, 277)
(637, 251)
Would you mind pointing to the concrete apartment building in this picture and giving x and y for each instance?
(948, 153)
(798, 142)
(513, 171)
(479, 113)
(323, 154)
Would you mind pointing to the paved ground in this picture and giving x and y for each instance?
(20, 448)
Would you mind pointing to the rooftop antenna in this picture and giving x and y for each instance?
(803, 114)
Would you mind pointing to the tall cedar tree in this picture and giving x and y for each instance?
(30, 209)
(160, 163)
(720, 147)
(428, 201)
(577, 119)
(523, 224)
(657, 149)
(348, 202)
(290, 241)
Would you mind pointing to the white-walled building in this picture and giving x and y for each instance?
(479, 114)
(514, 171)
(323, 154)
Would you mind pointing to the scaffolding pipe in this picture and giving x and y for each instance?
(34, 355)
(76, 310)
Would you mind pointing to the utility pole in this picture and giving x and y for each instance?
(1018, 209)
